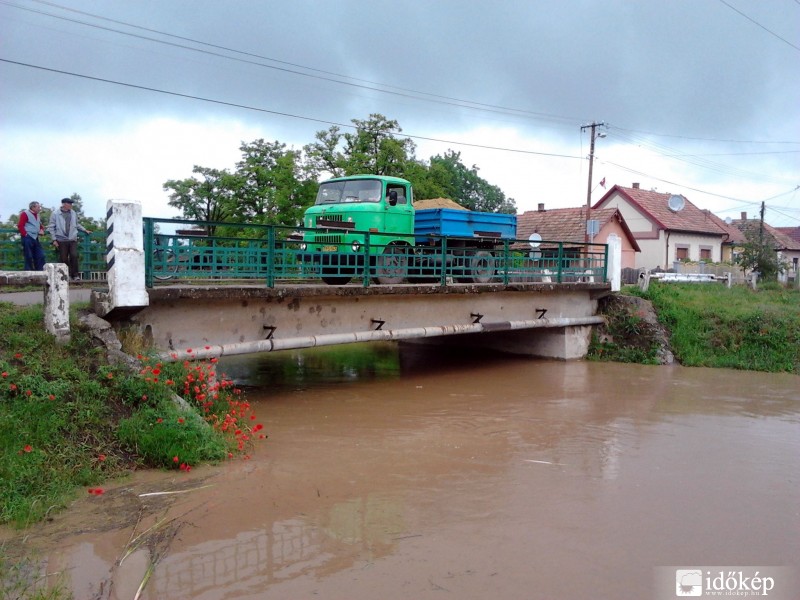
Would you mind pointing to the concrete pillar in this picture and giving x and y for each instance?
(125, 256)
(615, 261)
(56, 301)
(644, 281)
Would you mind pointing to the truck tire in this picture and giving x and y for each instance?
(391, 267)
(482, 267)
(333, 277)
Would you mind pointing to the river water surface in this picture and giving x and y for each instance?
(395, 474)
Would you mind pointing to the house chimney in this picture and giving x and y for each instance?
(744, 216)
(636, 185)
(541, 206)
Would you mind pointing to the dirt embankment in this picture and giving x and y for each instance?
(632, 330)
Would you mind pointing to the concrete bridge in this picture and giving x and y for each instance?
(179, 321)
(548, 320)
(544, 316)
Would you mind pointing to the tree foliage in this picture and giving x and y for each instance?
(759, 254)
(270, 186)
(372, 148)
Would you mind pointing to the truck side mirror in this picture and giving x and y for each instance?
(393, 198)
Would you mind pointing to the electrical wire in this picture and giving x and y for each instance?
(278, 113)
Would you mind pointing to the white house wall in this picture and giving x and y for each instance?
(653, 251)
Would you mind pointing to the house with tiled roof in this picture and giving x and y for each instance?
(667, 227)
(569, 225)
(786, 247)
(792, 232)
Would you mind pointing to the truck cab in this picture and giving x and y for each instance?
(346, 208)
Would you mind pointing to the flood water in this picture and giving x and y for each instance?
(417, 473)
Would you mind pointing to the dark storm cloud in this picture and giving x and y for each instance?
(686, 68)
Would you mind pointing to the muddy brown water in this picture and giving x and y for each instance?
(394, 474)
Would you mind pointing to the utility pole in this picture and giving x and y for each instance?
(594, 136)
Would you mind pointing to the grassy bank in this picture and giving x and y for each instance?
(710, 325)
(69, 421)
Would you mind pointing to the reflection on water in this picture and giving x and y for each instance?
(418, 472)
(296, 370)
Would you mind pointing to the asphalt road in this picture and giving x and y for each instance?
(76, 294)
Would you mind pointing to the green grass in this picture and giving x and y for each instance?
(738, 328)
(69, 421)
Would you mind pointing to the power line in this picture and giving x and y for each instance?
(769, 31)
(278, 113)
(402, 92)
(330, 76)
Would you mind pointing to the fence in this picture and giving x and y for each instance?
(213, 251)
(91, 249)
(218, 251)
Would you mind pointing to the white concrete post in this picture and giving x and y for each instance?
(56, 301)
(615, 261)
(644, 281)
(125, 255)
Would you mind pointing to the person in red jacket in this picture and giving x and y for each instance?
(30, 228)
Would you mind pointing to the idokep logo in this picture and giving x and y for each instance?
(688, 582)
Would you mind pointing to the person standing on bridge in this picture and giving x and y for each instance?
(64, 228)
(30, 228)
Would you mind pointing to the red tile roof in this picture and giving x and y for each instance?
(566, 224)
(792, 232)
(772, 235)
(735, 236)
(656, 205)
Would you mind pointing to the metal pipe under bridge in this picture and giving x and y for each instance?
(547, 311)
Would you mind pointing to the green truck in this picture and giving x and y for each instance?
(367, 226)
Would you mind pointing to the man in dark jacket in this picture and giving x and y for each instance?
(64, 228)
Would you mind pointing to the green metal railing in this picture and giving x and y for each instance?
(276, 254)
(273, 254)
(91, 250)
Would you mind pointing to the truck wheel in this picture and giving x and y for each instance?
(391, 266)
(332, 277)
(482, 267)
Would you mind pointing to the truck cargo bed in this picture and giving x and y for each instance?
(463, 223)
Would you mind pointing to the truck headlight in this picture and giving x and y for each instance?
(303, 247)
(356, 246)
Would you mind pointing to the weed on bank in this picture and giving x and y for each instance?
(69, 421)
(738, 328)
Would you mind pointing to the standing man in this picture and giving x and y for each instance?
(30, 228)
(64, 228)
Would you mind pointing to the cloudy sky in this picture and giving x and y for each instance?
(112, 98)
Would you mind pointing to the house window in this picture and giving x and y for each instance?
(681, 252)
(705, 253)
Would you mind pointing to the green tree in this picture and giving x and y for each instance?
(759, 254)
(208, 199)
(274, 186)
(372, 148)
(270, 186)
(465, 186)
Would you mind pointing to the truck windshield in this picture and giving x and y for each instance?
(355, 190)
